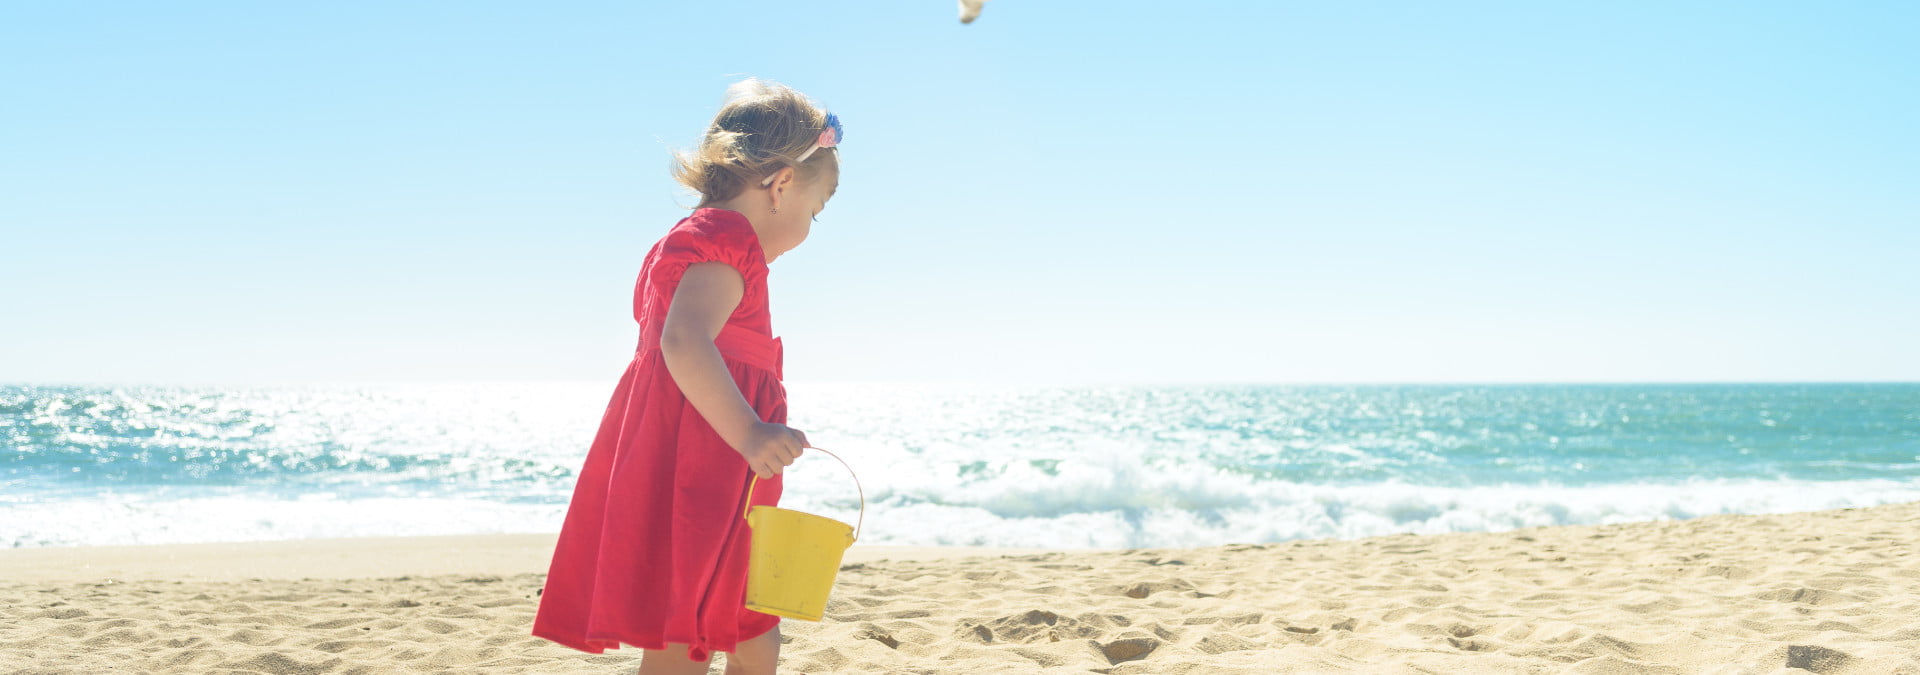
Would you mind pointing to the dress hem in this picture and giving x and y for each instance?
(602, 645)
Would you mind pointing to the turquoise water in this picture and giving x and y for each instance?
(977, 465)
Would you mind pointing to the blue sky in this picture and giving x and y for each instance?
(1061, 192)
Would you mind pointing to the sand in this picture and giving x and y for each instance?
(1823, 592)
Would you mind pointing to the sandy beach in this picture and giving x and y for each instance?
(1823, 592)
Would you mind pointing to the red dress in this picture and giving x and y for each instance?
(654, 548)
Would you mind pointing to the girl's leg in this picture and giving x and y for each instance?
(758, 656)
(670, 661)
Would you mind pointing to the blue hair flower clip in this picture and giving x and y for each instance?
(829, 137)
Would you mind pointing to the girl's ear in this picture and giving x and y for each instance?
(782, 180)
(779, 176)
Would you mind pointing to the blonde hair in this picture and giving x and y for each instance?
(761, 127)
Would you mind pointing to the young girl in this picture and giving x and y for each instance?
(653, 552)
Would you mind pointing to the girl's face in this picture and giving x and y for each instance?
(800, 202)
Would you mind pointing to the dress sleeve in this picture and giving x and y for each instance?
(685, 246)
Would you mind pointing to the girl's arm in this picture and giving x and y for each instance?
(707, 295)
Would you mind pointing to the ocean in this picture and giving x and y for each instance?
(1093, 467)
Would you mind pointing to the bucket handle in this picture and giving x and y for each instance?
(856, 486)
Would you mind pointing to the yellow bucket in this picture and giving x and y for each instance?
(795, 556)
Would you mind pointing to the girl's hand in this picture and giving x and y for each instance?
(769, 448)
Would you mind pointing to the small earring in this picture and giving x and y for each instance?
(776, 209)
